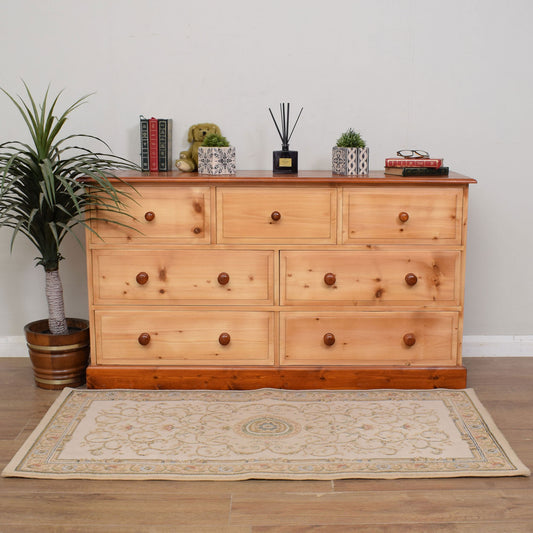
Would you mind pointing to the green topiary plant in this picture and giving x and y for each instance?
(350, 139)
(215, 139)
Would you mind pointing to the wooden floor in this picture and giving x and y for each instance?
(485, 505)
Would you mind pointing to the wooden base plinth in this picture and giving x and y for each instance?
(242, 378)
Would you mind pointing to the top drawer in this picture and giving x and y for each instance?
(402, 214)
(161, 215)
(276, 215)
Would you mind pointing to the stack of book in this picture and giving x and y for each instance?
(156, 137)
(405, 166)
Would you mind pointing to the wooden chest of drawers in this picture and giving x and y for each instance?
(308, 281)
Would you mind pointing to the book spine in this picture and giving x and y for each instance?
(145, 158)
(153, 144)
(408, 163)
(163, 144)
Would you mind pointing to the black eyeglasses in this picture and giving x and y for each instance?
(413, 154)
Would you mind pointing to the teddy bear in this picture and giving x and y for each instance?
(188, 161)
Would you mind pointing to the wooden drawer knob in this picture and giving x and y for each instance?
(223, 278)
(409, 339)
(142, 278)
(144, 339)
(403, 216)
(411, 279)
(149, 216)
(275, 216)
(224, 338)
(329, 339)
(330, 278)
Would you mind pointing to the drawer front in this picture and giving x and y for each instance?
(394, 338)
(183, 277)
(402, 214)
(168, 337)
(161, 214)
(370, 277)
(279, 215)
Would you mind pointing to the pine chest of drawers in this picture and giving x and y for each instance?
(256, 280)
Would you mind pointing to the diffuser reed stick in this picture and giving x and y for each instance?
(285, 114)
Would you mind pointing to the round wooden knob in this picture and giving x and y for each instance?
(223, 278)
(403, 216)
(330, 278)
(224, 338)
(409, 339)
(149, 216)
(411, 279)
(197, 230)
(142, 278)
(144, 339)
(329, 339)
(275, 216)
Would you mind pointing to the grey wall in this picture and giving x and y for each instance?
(454, 78)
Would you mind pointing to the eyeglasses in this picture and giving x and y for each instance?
(413, 154)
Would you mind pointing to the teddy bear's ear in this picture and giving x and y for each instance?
(217, 129)
(190, 138)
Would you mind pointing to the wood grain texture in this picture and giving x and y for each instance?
(470, 505)
(258, 245)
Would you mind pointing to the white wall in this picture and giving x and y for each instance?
(454, 78)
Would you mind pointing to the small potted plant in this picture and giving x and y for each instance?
(216, 156)
(350, 156)
(43, 195)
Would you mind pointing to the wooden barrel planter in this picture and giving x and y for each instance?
(58, 361)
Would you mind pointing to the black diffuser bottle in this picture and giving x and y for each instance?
(285, 161)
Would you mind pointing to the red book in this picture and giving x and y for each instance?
(406, 162)
(153, 144)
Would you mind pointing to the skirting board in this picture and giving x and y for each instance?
(473, 346)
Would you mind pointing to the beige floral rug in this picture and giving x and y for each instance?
(265, 434)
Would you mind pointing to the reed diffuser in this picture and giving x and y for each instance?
(285, 161)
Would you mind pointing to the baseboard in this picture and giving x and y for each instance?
(13, 347)
(473, 346)
(498, 346)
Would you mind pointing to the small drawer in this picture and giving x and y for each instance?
(160, 215)
(167, 337)
(276, 215)
(402, 214)
(183, 276)
(371, 277)
(372, 338)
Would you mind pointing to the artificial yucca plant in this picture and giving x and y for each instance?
(44, 193)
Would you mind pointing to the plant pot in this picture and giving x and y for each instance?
(216, 160)
(350, 161)
(58, 361)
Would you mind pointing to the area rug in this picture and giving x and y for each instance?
(265, 434)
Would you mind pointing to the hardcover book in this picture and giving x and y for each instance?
(145, 158)
(407, 163)
(153, 144)
(164, 146)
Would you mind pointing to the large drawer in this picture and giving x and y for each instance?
(161, 214)
(402, 214)
(183, 276)
(276, 215)
(371, 338)
(145, 336)
(370, 277)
